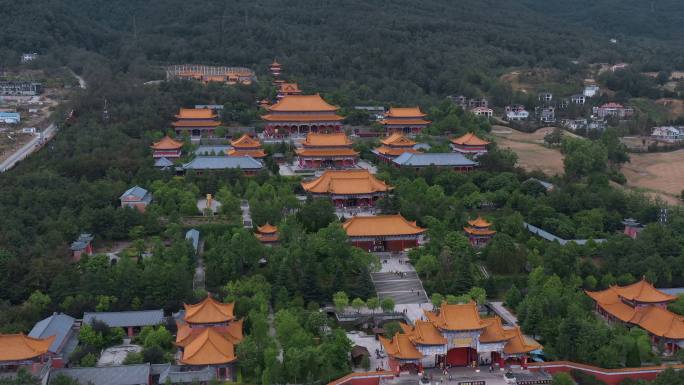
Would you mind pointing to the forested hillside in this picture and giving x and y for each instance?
(399, 50)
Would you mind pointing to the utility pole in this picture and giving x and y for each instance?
(105, 112)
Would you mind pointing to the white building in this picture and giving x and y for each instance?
(578, 99)
(483, 111)
(668, 134)
(516, 113)
(591, 90)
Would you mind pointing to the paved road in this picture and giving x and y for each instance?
(28, 148)
(502, 312)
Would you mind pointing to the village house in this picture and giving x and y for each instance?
(202, 164)
(267, 234)
(27, 57)
(469, 144)
(452, 160)
(460, 100)
(478, 103)
(207, 335)
(613, 109)
(383, 233)
(326, 151)
(81, 246)
(65, 331)
(131, 321)
(578, 99)
(591, 89)
(516, 113)
(456, 335)
(632, 228)
(348, 188)
(136, 197)
(20, 88)
(409, 120)
(393, 146)
(478, 232)
(545, 114)
(195, 122)
(641, 304)
(246, 145)
(10, 117)
(668, 134)
(545, 97)
(301, 114)
(167, 148)
(483, 111)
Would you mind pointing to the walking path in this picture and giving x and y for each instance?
(246, 215)
(398, 280)
(198, 281)
(502, 312)
(29, 148)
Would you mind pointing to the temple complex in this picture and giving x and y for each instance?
(247, 146)
(641, 304)
(167, 148)
(393, 146)
(207, 335)
(301, 114)
(383, 233)
(479, 232)
(348, 188)
(21, 351)
(326, 151)
(267, 234)
(196, 122)
(456, 335)
(209, 74)
(469, 144)
(409, 120)
(287, 89)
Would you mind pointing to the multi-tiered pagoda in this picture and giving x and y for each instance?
(301, 114)
(393, 146)
(166, 148)
(246, 145)
(479, 232)
(469, 144)
(409, 120)
(327, 151)
(196, 122)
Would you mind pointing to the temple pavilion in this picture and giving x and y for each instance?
(479, 232)
(641, 304)
(469, 144)
(267, 234)
(326, 151)
(167, 148)
(21, 351)
(196, 122)
(383, 233)
(456, 335)
(348, 188)
(247, 146)
(393, 146)
(301, 114)
(287, 89)
(207, 335)
(409, 120)
(276, 69)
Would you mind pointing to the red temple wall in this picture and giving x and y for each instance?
(609, 376)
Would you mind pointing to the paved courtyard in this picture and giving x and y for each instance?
(398, 280)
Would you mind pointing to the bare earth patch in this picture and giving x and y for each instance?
(532, 155)
(661, 173)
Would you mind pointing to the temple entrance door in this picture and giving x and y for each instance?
(460, 356)
(196, 132)
(406, 130)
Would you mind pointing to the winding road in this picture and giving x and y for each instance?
(30, 147)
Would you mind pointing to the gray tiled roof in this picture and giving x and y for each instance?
(553, 238)
(110, 375)
(126, 318)
(58, 325)
(175, 376)
(216, 150)
(223, 163)
(81, 242)
(436, 159)
(135, 191)
(163, 162)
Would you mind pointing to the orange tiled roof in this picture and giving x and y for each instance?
(267, 228)
(399, 122)
(494, 331)
(187, 334)
(246, 141)
(404, 112)
(400, 347)
(195, 113)
(166, 143)
(346, 182)
(518, 343)
(296, 103)
(660, 322)
(17, 347)
(398, 139)
(643, 291)
(209, 311)
(326, 140)
(253, 153)
(289, 88)
(381, 225)
(302, 118)
(196, 123)
(423, 333)
(476, 231)
(456, 317)
(394, 151)
(331, 152)
(479, 222)
(208, 347)
(470, 139)
(610, 302)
